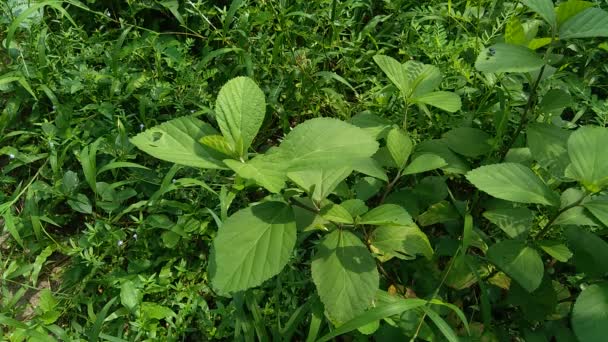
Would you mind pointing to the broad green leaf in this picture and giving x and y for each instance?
(370, 167)
(586, 148)
(549, 147)
(592, 22)
(399, 145)
(440, 212)
(251, 246)
(590, 313)
(355, 207)
(590, 252)
(515, 222)
(218, 143)
(446, 100)
(519, 262)
(240, 110)
(326, 143)
(455, 163)
(465, 272)
(427, 78)
(336, 213)
(556, 249)
(468, 141)
(554, 102)
(268, 170)
(535, 305)
(130, 295)
(81, 204)
(177, 141)
(599, 209)
(423, 163)
(508, 58)
(512, 182)
(576, 216)
(345, 275)
(401, 241)
(372, 124)
(514, 32)
(394, 71)
(387, 214)
(366, 187)
(319, 183)
(537, 43)
(544, 8)
(570, 8)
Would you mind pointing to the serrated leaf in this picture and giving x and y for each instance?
(336, 213)
(387, 214)
(218, 143)
(512, 182)
(589, 164)
(592, 22)
(556, 249)
(599, 209)
(326, 143)
(568, 9)
(468, 141)
(519, 262)
(544, 8)
(402, 241)
(423, 163)
(319, 183)
(399, 145)
(508, 58)
(240, 108)
(251, 246)
(345, 275)
(177, 141)
(394, 71)
(590, 313)
(268, 170)
(515, 222)
(446, 100)
(549, 147)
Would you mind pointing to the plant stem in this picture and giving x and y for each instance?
(303, 206)
(547, 227)
(390, 186)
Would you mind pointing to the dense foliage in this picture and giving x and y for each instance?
(304, 170)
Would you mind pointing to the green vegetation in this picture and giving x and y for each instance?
(303, 170)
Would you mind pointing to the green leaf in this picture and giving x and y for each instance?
(177, 141)
(568, 9)
(440, 212)
(251, 246)
(519, 262)
(319, 183)
(39, 262)
(549, 147)
(576, 216)
(403, 242)
(372, 124)
(515, 222)
(399, 145)
(508, 58)
(468, 141)
(130, 295)
(442, 325)
(544, 8)
(81, 204)
(374, 314)
(455, 164)
(370, 167)
(326, 143)
(336, 213)
(345, 275)
(599, 209)
(514, 32)
(355, 207)
(268, 170)
(423, 163)
(394, 71)
(592, 22)
(387, 214)
(448, 101)
(218, 143)
(590, 313)
(424, 78)
(589, 163)
(512, 182)
(554, 102)
(590, 252)
(556, 249)
(240, 108)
